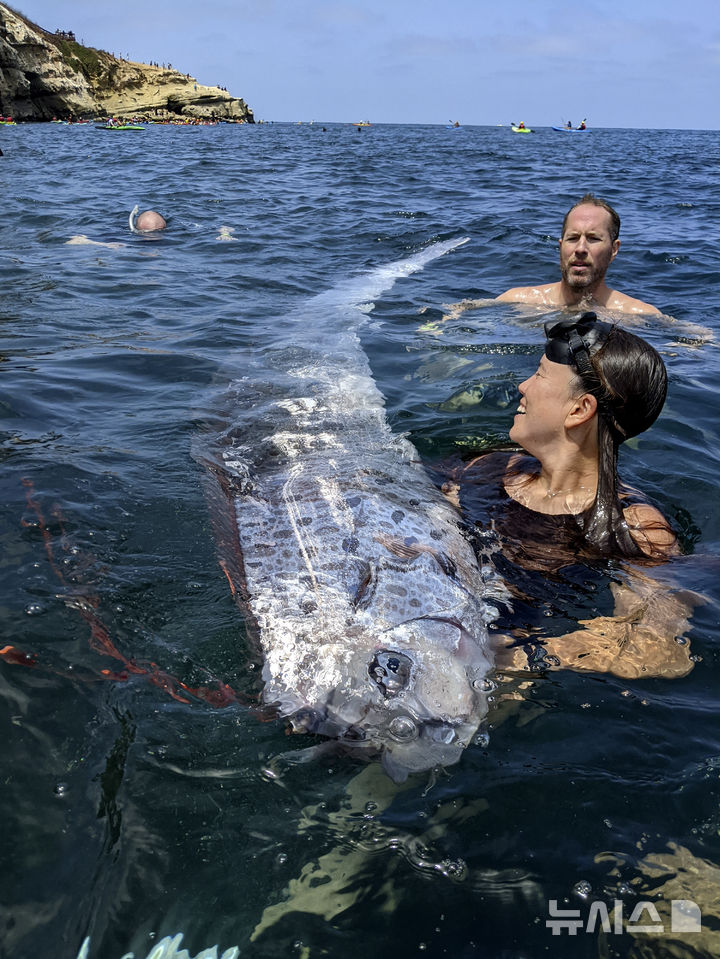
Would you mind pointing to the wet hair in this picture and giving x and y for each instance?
(593, 200)
(629, 380)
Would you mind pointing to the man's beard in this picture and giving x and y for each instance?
(591, 278)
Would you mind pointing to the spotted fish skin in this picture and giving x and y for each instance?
(370, 607)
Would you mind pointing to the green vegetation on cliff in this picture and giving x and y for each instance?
(97, 65)
(46, 75)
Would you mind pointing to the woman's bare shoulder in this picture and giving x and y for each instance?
(651, 531)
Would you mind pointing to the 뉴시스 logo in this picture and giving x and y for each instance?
(685, 917)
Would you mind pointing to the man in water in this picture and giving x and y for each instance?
(588, 245)
(147, 222)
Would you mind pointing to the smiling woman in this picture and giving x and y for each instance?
(563, 505)
(596, 386)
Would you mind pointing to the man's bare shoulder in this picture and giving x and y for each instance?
(628, 304)
(541, 293)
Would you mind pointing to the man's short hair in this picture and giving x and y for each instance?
(604, 205)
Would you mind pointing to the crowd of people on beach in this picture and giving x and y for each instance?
(157, 118)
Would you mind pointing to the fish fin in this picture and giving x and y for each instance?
(220, 500)
(400, 548)
(411, 552)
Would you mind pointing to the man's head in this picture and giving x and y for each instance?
(148, 221)
(589, 243)
(591, 200)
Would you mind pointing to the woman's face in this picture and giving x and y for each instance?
(546, 398)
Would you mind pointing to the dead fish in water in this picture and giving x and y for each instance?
(367, 601)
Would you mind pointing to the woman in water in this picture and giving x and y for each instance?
(543, 517)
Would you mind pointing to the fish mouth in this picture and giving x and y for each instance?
(429, 746)
(403, 745)
(406, 746)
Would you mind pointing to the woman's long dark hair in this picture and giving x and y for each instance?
(629, 380)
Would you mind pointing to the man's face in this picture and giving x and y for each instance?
(586, 250)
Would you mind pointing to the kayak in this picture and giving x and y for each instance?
(570, 130)
(119, 126)
(521, 130)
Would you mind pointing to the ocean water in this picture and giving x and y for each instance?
(131, 810)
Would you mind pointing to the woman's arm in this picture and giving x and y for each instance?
(645, 637)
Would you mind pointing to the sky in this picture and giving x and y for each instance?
(619, 63)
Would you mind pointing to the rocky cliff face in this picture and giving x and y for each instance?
(45, 75)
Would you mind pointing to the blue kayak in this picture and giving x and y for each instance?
(570, 129)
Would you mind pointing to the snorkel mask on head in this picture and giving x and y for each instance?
(132, 218)
(570, 342)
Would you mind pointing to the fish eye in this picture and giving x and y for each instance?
(391, 671)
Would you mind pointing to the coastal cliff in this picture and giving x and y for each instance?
(45, 75)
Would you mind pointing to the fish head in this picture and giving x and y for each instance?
(416, 698)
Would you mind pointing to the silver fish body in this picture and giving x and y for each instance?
(369, 604)
(170, 947)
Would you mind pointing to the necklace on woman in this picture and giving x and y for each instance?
(551, 494)
(531, 495)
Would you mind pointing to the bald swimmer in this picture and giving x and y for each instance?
(146, 222)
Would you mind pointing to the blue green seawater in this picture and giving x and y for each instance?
(129, 814)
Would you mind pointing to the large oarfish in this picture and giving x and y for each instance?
(366, 598)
